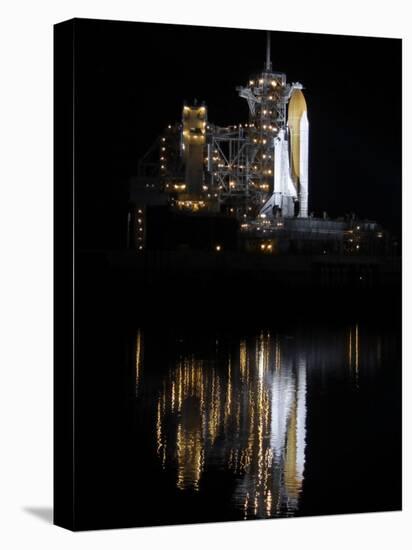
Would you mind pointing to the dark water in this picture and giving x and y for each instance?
(204, 425)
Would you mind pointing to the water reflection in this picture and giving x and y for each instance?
(248, 419)
(353, 352)
(245, 426)
(139, 358)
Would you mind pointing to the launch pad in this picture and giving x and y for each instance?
(258, 167)
(254, 172)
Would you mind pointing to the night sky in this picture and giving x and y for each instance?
(132, 78)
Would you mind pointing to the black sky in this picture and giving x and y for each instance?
(131, 80)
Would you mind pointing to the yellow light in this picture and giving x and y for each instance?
(163, 139)
(262, 246)
(218, 248)
(261, 81)
(274, 83)
(251, 82)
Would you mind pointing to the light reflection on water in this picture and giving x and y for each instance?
(139, 359)
(353, 352)
(248, 419)
(257, 424)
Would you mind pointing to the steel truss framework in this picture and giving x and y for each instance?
(234, 167)
(241, 158)
(238, 167)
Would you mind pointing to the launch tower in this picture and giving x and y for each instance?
(258, 169)
(278, 142)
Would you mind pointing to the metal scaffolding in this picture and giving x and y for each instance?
(234, 168)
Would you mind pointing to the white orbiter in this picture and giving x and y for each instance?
(291, 151)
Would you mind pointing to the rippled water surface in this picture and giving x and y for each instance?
(268, 423)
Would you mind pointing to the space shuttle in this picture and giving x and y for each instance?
(291, 151)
